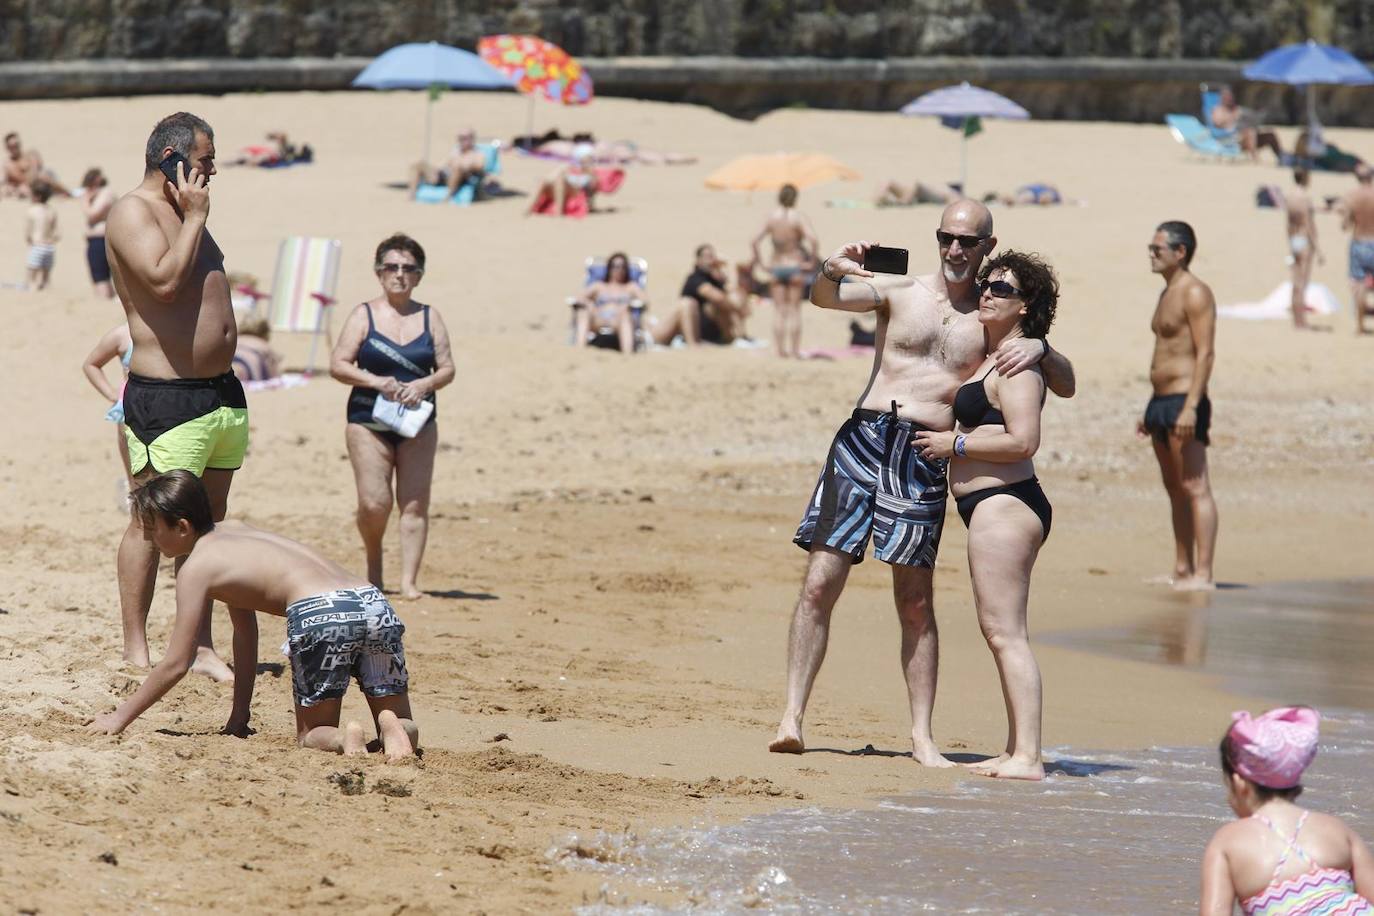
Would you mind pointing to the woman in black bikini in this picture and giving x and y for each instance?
(395, 348)
(999, 498)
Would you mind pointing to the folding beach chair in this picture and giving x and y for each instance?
(1192, 133)
(467, 191)
(1211, 98)
(303, 288)
(594, 271)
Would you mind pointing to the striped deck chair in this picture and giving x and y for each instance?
(303, 289)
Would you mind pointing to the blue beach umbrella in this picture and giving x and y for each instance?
(431, 66)
(1307, 64)
(964, 107)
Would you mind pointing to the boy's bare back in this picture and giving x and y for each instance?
(246, 567)
(42, 227)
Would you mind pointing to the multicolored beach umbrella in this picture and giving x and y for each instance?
(538, 67)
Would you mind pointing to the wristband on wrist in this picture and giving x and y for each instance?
(1045, 352)
(959, 446)
(826, 274)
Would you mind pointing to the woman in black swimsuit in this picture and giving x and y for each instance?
(395, 348)
(1000, 500)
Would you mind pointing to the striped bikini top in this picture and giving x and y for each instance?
(1315, 892)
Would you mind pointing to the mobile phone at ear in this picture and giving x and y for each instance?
(882, 260)
(169, 167)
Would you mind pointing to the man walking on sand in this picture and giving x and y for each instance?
(875, 482)
(1179, 414)
(183, 407)
(1357, 216)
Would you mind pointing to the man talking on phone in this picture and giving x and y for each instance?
(183, 407)
(875, 483)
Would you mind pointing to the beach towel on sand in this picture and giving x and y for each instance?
(1278, 304)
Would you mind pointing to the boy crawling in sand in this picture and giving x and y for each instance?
(337, 625)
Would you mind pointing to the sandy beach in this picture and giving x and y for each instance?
(609, 573)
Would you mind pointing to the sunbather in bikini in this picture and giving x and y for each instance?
(602, 314)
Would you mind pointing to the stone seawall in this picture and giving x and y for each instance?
(1076, 89)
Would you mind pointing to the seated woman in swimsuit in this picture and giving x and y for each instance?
(397, 349)
(602, 315)
(1279, 859)
(578, 177)
(254, 359)
(999, 498)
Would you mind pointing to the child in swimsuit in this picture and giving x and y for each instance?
(1279, 859)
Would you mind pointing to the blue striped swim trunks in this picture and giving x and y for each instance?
(876, 484)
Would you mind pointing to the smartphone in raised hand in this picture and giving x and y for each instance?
(883, 260)
(169, 167)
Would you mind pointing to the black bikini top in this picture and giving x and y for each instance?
(972, 407)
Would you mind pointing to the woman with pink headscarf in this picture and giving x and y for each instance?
(1279, 859)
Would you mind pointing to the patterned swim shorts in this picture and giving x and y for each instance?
(350, 633)
(875, 483)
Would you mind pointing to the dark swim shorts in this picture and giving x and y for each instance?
(185, 424)
(875, 483)
(96, 260)
(1162, 413)
(350, 633)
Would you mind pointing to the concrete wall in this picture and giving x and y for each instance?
(1078, 89)
(45, 30)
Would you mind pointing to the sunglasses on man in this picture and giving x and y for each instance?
(408, 269)
(1001, 289)
(965, 241)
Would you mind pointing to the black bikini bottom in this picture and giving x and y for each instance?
(1028, 491)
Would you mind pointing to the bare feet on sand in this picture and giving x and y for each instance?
(928, 755)
(1015, 768)
(980, 765)
(1195, 584)
(396, 738)
(212, 666)
(411, 594)
(354, 739)
(788, 741)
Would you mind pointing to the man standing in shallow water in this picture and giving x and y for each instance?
(1179, 414)
(183, 407)
(875, 482)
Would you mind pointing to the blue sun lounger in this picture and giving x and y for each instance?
(467, 191)
(1192, 133)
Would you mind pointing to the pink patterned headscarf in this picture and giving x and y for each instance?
(1273, 749)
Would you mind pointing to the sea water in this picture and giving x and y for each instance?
(1106, 832)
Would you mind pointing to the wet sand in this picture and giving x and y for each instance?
(609, 568)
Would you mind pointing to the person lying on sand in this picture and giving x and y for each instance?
(337, 625)
(896, 194)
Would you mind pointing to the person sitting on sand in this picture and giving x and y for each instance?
(1230, 119)
(710, 309)
(577, 177)
(254, 358)
(1279, 859)
(24, 167)
(602, 316)
(993, 480)
(337, 625)
(465, 163)
(794, 253)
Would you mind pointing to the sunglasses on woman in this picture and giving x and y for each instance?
(1001, 289)
(965, 241)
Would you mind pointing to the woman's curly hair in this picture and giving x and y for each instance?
(1038, 284)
